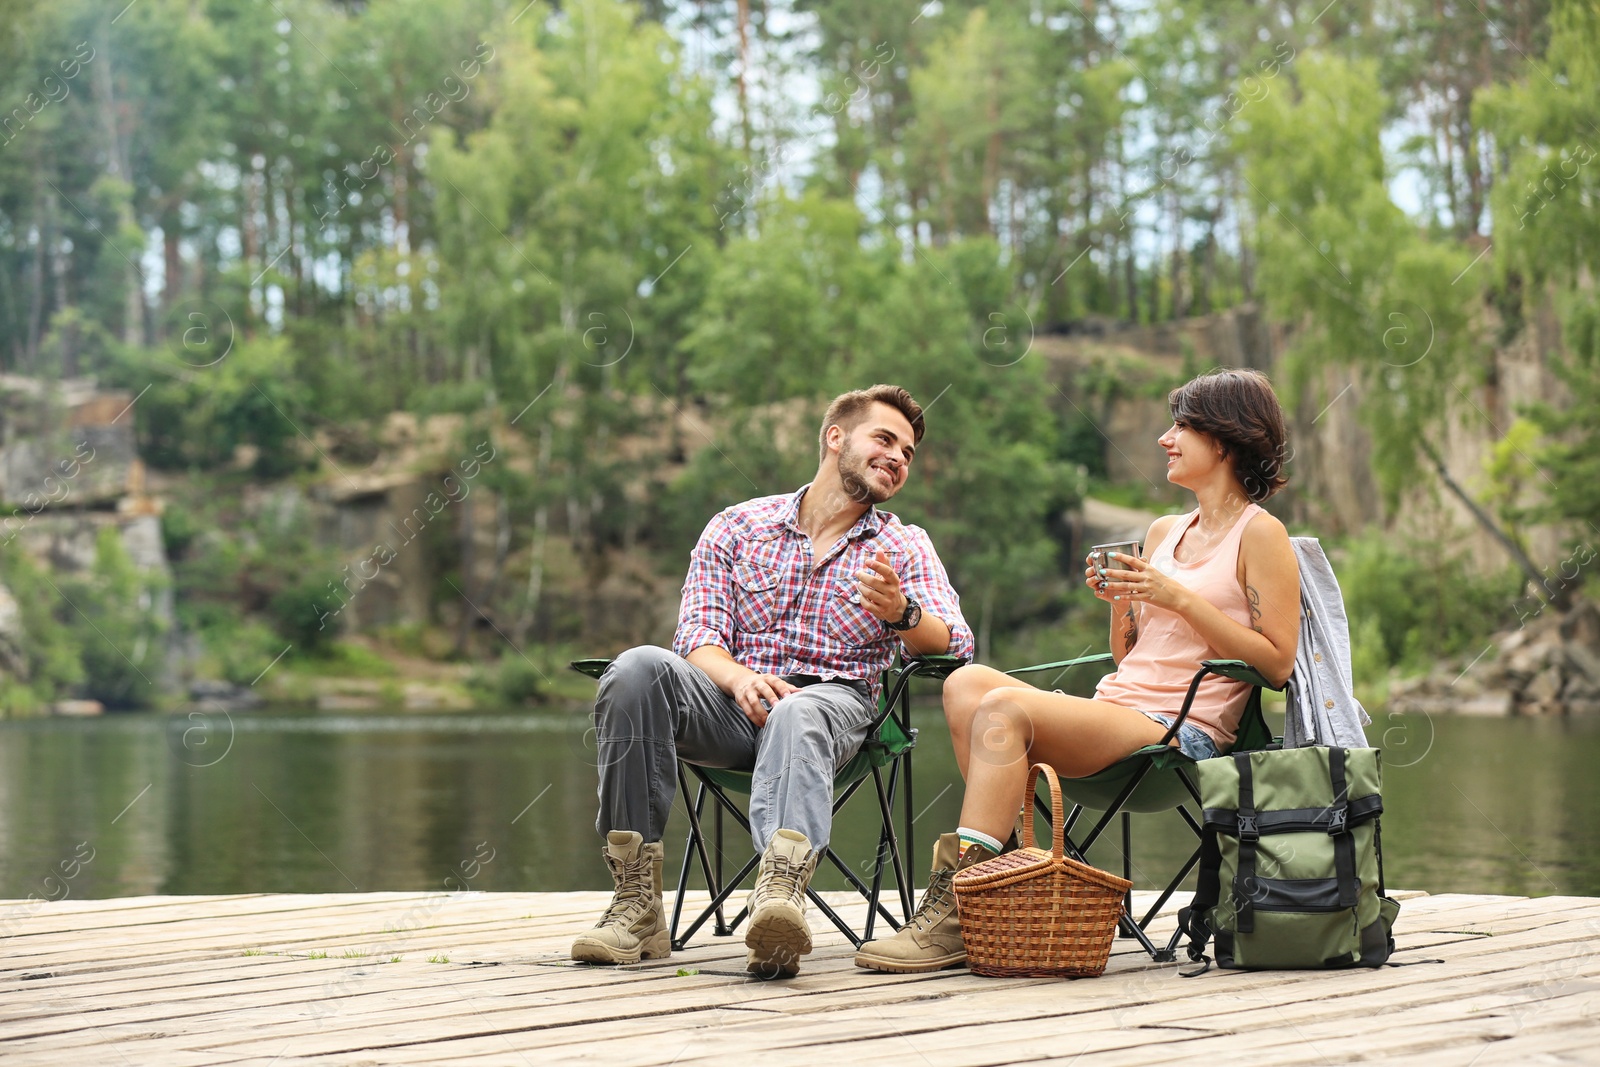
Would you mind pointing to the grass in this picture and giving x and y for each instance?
(342, 659)
(396, 959)
(353, 954)
(316, 955)
(438, 958)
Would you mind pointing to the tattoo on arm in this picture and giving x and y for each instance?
(1131, 634)
(1255, 607)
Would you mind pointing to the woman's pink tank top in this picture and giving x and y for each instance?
(1156, 673)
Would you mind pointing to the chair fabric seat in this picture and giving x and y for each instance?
(1158, 791)
(890, 743)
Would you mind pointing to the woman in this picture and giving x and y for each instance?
(1221, 583)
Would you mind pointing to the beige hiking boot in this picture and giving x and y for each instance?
(931, 941)
(634, 927)
(778, 934)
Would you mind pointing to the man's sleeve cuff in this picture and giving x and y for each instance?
(687, 640)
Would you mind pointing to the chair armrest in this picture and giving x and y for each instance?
(1063, 664)
(931, 666)
(1240, 671)
(594, 668)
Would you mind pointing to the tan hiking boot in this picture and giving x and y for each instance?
(634, 927)
(778, 934)
(931, 941)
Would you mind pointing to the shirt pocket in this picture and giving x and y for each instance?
(848, 622)
(755, 596)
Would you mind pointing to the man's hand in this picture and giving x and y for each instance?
(880, 589)
(756, 693)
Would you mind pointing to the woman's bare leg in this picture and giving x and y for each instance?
(1014, 727)
(964, 690)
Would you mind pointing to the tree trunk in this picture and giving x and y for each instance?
(47, 239)
(541, 522)
(744, 72)
(118, 167)
(1561, 597)
(170, 258)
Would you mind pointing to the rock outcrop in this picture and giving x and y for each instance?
(1548, 666)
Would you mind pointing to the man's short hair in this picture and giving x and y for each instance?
(848, 409)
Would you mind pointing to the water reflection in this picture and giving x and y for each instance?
(302, 803)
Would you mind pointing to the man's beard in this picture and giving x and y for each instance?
(854, 480)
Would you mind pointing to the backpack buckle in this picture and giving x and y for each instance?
(1247, 828)
(1337, 820)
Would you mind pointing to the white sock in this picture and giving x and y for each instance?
(976, 837)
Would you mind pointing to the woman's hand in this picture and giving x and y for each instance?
(1092, 578)
(1135, 580)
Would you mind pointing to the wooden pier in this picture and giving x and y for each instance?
(483, 979)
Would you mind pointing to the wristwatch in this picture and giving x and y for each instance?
(909, 620)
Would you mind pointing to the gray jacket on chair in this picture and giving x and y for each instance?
(1322, 707)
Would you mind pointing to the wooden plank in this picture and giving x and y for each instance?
(164, 982)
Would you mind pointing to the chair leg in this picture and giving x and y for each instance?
(860, 886)
(688, 855)
(897, 856)
(696, 846)
(716, 904)
(722, 927)
(1127, 857)
(910, 848)
(827, 910)
(888, 849)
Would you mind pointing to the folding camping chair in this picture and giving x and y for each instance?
(886, 754)
(1155, 778)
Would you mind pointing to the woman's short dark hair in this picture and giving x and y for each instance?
(1239, 409)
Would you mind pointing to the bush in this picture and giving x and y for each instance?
(1412, 604)
(512, 680)
(113, 610)
(52, 650)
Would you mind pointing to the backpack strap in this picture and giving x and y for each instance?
(1194, 920)
(1344, 841)
(1245, 887)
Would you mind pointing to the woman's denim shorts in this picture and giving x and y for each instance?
(1193, 741)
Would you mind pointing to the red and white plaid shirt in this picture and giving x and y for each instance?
(752, 590)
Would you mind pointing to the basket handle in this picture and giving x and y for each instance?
(1058, 846)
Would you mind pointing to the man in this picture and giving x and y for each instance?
(792, 608)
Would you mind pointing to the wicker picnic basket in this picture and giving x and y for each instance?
(1032, 913)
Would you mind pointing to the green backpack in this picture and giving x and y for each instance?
(1293, 835)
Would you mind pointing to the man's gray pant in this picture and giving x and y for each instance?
(655, 707)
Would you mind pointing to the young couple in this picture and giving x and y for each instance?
(794, 606)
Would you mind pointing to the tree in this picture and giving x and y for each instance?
(1547, 235)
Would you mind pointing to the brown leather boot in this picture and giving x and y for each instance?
(931, 941)
(634, 926)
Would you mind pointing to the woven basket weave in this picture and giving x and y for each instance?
(1034, 913)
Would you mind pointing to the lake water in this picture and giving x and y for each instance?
(132, 804)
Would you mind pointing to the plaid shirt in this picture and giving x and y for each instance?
(751, 590)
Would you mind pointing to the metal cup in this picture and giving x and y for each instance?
(1100, 555)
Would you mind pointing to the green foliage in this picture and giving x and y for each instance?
(1573, 447)
(462, 208)
(1551, 118)
(1373, 293)
(118, 628)
(52, 660)
(1411, 605)
(511, 681)
(197, 418)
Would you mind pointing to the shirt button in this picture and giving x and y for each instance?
(1317, 656)
(1329, 704)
